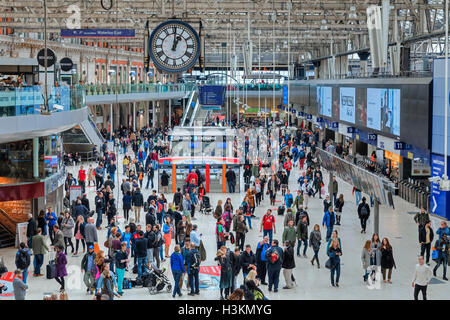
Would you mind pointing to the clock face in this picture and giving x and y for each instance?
(174, 46)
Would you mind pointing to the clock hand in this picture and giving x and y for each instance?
(175, 40)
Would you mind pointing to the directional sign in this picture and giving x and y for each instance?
(51, 58)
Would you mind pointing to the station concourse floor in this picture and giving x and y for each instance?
(313, 283)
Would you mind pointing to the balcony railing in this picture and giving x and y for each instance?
(105, 89)
(19, 101)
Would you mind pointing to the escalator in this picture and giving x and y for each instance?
(191, 109)
(82, 138)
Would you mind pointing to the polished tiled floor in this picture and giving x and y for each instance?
(313, 283)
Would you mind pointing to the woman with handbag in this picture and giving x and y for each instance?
(334, 263)
(387, 259)
(60, 266)
(365, 259)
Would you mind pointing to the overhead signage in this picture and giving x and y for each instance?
(352, 130)
(51, 58)
(212, 95)
(97, 33)
(335, 125)
(66, 64)
(439, 200)
(285, 94)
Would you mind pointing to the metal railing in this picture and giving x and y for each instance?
(105, 89)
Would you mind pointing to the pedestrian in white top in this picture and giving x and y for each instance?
(422, 276)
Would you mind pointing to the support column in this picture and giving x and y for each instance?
(170, 113)
(153, 114)
(111, 120)
(376, 217)
(134, 116)
(36, 158)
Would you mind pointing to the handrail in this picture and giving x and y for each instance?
(11, 224)
(194, 113)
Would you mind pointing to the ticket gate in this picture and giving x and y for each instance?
(214, 176)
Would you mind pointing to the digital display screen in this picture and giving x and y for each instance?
(324, 102)
(347, 104)
(383, 110)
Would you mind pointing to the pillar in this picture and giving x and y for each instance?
(111, 119)
(363, 57)
(153, 114)
(134, 116)
(376, 217)
(36, 158)
(170, 113)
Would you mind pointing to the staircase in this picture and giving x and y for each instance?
(6, 238)
(92, 133)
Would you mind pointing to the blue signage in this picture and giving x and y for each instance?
(309, 116)
(319, 119)
(212, 95)
(335, 125)
(439, 200)
(401, 146)
(285, 94)
(98, 33)
(373, 137)
(352, 130)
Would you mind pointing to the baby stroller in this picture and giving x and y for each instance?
(205, 205)
(158, 280)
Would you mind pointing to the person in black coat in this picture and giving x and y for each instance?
(100, 208)
(150, 217)
(31, 229)
(288, 264)
(85, 202)
(236, 264)
(425, 245)
(363, 214)
(248, 260)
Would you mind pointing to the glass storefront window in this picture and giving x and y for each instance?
(50, 155)
(16, 161)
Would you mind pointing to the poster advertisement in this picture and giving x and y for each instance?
(324, 102)
(375, 98)
(7, 281)
(209, 277)
(75, 191)
(391, 111)
(21, 233)
(347, 104)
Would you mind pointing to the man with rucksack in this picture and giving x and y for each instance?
(177, 197)
(274, 256)
(363, 214)
(231, 180)
(193, 270)
(298, 201)
(261, 260)
(23, 260)
(329, 220)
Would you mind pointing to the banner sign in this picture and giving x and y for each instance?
(285, 95)
(212, 95)
(98, 33)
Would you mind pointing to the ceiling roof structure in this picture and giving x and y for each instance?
(314, 25)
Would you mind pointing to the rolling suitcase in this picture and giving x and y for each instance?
(50, 269)
(281, 210)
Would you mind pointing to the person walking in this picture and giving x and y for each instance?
(335, 253)
(261, 260)
(39, 250)
(421, 279)
(314, 242)
(79, 234)
(177, 267)
(89, 269)
(90, 232)
(241, 229)
(138, 202)
(67, 230)
(426, 236)
(100, 208)
(363, 214)
(442, 247)
(387, 259)
(268, 224)
(247, 260)
(302, 236)
(288, 264)
(290, 233)
(421, 218)
(51, 220)
(365, 259)
(338, 205)
(19, 286)
(121, 259)
(328, 221)
(167, 232)
(126, 204)
(274, 256)
(193, 269)
(23, 260)
(224, 261)
(31, 229)
(60, 266)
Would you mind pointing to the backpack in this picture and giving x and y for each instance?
(145, 206)
(332, 219)
(302, 154)
(232, 240)
(364, 211)
(141, 155)
(195, 261)
(274, 257)
(258, 295)
(23, 260)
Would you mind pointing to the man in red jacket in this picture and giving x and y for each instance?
(82, 178)
(192, 175)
